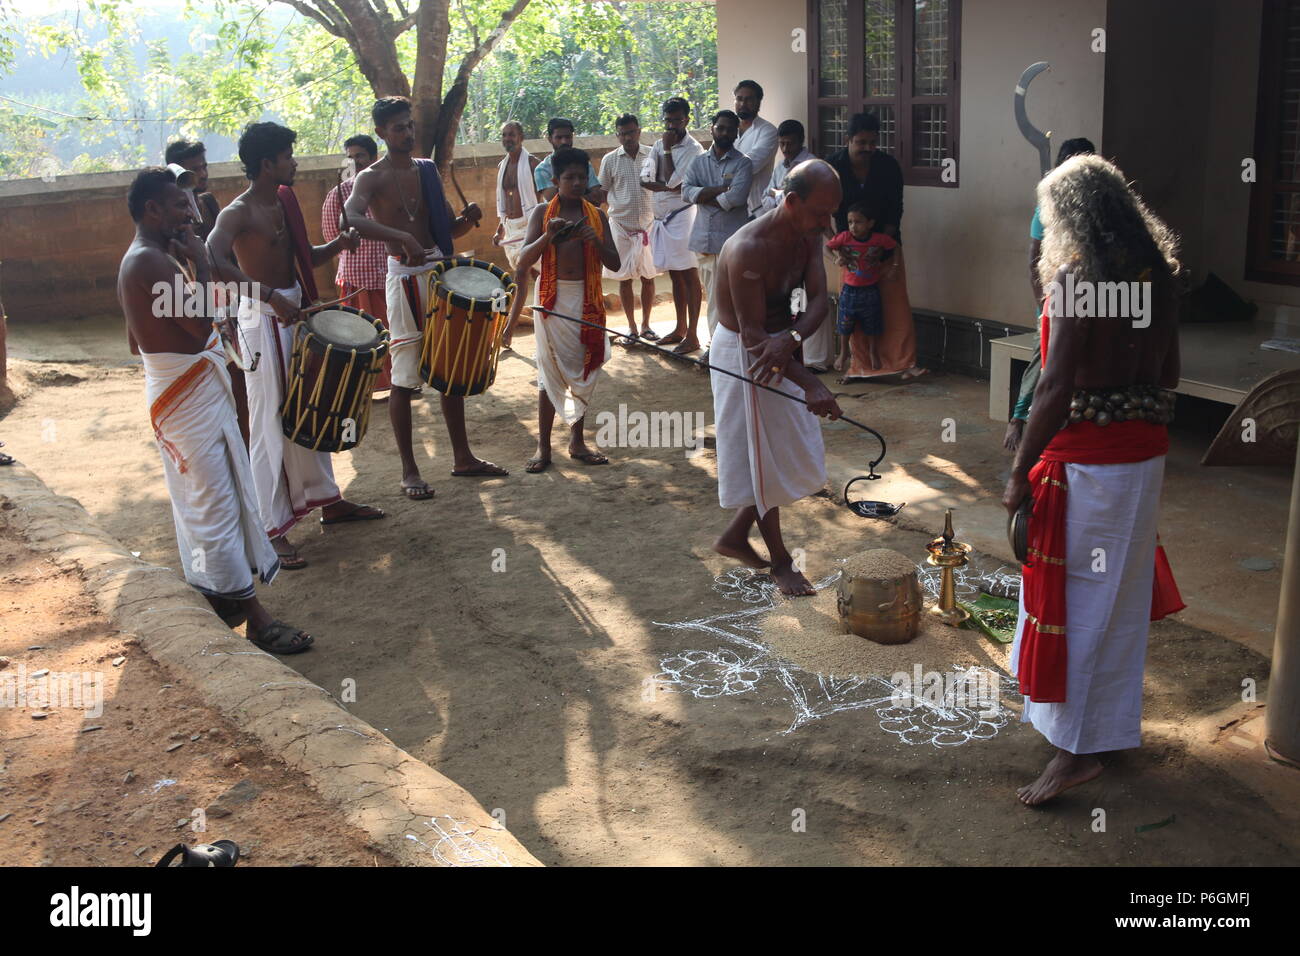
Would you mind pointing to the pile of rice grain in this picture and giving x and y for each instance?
(807, 632)
(881, 564)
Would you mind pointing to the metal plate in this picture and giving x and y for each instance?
(1269, 437)
(345, 329)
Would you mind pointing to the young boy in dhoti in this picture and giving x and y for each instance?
(770, 451)
(1088, 592)
(218, 524)
(260, 241)
(572, 239)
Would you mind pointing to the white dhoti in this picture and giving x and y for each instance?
(670, 241)
(819, 348)
(708, 265)
(219, 527)
(291, 481)
(1107, 612)
(636, 260)
(407, 333)
(512, 243)
(561, 355)
(770, 450)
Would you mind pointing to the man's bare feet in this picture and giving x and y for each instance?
(673, 337)
(791, 582)
(842, 363)
(687, 346)
(1062, 772)
(741, 551)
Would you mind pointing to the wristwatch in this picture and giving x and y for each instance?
(797, 337)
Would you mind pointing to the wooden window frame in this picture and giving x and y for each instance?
(1268, 116)
(856, 101)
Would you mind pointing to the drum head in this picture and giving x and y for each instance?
(344, 329)
(471, 282)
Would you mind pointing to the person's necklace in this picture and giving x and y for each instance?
(407, 206)
(282, 226)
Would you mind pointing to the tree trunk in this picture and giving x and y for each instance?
(442, 143)
(433, 28)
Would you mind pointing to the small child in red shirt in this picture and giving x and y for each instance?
(861, 251)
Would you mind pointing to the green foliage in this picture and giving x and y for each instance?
(248, 60)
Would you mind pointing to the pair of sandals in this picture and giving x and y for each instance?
(292, 561)
(535, 466)
(422, 491)
(678, 339)
(278, 638)
(5, 459)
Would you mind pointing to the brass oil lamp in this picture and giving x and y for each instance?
(947, 554)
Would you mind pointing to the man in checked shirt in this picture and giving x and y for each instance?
(362, 272)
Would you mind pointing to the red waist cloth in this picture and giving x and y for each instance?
(1043, 658)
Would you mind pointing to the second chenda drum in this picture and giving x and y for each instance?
(469, 301)
(337, 355)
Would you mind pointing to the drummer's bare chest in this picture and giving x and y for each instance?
(265, 246)
(398, 201)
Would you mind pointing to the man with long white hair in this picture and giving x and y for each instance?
(1110, 352)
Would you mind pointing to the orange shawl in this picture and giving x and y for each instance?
(593, 301)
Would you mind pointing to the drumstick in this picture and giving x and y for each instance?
(325, 305)
(460, 192)
(342, 205)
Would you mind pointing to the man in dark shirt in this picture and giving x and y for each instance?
(868, 175)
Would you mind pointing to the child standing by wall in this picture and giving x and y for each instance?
(860, 251)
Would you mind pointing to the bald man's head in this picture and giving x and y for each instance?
(812, 194)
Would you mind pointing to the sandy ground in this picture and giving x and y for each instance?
(130, 764)
(568, 648)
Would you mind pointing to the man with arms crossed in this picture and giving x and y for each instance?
(674, 220)
(214, 505)
(630, 218)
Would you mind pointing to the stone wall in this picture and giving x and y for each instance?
(61, 241)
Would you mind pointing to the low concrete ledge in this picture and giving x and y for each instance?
(376, 786)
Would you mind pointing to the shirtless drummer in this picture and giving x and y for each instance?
(770, 450)
(260, 241)
(409, 211)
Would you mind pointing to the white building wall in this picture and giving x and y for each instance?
(967, 247)
(755, 42)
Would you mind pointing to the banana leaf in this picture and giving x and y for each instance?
(988, 614)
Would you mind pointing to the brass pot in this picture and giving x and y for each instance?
(884, 611)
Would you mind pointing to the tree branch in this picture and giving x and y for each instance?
(307, 10)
